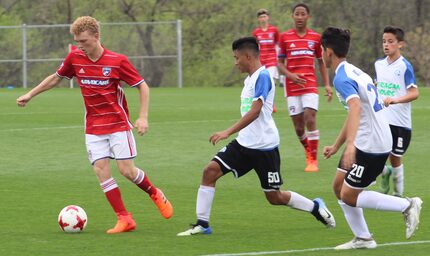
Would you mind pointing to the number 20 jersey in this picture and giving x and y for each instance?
(373, 135)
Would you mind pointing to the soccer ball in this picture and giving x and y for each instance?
(72, 219)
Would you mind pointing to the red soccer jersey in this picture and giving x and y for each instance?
(267, 40)
(105, 103)
(300, 54)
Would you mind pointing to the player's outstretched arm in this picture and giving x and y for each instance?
(47, 83)
(142, 121)
(248, 118)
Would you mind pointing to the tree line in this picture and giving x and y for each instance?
(210, 26)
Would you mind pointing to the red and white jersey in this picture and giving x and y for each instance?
(267, 39)
(104, 99)
(300, 54)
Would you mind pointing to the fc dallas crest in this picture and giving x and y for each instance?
(106, 71)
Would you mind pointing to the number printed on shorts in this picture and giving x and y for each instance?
(273, 177)
(400, 142)
(357, 170)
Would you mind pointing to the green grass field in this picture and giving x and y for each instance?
(44, 167)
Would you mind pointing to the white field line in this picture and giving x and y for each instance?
(311, 249)
(81, 126)
(155, 123)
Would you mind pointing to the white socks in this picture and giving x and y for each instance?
(398, 180)
(355, 218)
(300, 202)
(378, 201)
(205, 198)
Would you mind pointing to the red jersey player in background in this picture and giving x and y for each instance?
(107, 124)
(298, 49)
(267, 36)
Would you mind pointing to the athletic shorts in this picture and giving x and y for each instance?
(365, 169)
(273, 70)
(240, 160)
(297, 104)
(401, 140)
(118, 145)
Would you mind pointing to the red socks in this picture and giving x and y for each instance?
(143, 182)
(113, 195)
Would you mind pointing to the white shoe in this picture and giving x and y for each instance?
(357, 243)
(195, 230)
(323, 214)
(412, 216)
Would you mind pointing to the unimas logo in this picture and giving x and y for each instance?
(302, 52)
(94, 82)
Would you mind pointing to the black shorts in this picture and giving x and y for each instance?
(401, 139)
(240, 160)
(366, 168)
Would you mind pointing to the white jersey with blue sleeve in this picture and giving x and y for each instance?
(373, 135)
(262, 133)
(394, 79)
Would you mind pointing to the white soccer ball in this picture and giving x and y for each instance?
(72, 219)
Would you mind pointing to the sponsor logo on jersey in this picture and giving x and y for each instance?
(302, 52)
(266, 41)
(81, 71)
(388, 89)
(397, 72)
(106, 71)
(292, 45)
(95, 82)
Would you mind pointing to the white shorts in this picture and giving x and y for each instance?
(118, 145)
(273, 70)
(297, 104)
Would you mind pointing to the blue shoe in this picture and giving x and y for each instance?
(196, 230)
(385, 181)
(322, 213)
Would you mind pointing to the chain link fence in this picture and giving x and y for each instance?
(32, 52)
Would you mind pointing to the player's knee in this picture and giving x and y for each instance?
(348, 199)
(211, 173)
(336, 190)
(274, 198)
(128, 172)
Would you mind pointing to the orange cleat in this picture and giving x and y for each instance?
(312, 166)
(125, 223)
(163, 204)
(274, 108)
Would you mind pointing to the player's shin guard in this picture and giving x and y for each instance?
(300, 202)
(398, 180)
(355, 218)
(304, 140)
(205, 197)
(143, 182)
(113, 195)
(313, 139)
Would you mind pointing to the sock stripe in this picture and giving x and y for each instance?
(313, 135)
(303, 137)
(139, 177)
(108, 185)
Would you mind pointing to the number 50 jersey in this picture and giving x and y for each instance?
(373, 135)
